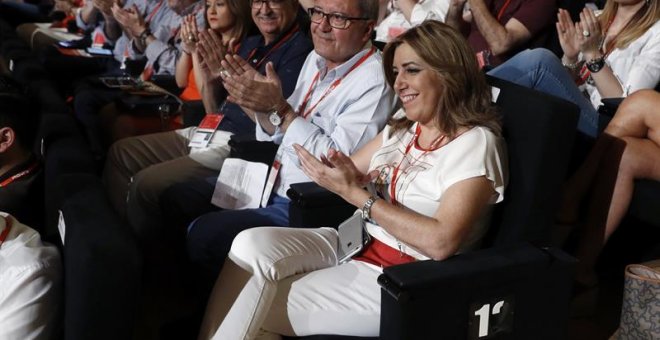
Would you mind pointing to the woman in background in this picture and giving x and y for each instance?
(610, 55)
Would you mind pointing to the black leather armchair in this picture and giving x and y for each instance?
(431, 299)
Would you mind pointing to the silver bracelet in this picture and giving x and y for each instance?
(366, 208)
(571, 67)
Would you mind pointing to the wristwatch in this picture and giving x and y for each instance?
(275, 118)
(596, 64)
(366, 208)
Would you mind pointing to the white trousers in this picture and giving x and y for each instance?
(287, 281)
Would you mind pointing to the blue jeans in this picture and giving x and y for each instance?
(541, 70)
(210, 236)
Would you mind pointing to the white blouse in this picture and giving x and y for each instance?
(425, 176)
(636, 66)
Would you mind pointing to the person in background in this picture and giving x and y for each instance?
(498, 29)
(143, 167)
(432, 176)
(341, 100)
(612, 55)
(407, 13)
(30, 283)
(627, 150)
(21, 173)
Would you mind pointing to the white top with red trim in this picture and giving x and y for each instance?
(426, 175)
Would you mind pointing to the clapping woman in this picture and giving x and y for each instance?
(610, 55)
(228, 21)
(433, 175)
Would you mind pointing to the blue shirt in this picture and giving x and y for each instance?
(287, 60)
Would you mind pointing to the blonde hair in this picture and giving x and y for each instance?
(466, 97)
(645, 17)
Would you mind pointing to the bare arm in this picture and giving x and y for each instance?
(438, 236)
(454, 16)
(501, 38)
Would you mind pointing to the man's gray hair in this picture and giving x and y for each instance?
(368, 9)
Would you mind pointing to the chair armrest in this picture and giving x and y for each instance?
(534, 283)
(314, 206)
(247, 148)
(610, 105)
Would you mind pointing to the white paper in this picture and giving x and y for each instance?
(240, 184)
(61, 226)
(495, 93)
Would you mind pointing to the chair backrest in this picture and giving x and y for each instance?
(539, 131)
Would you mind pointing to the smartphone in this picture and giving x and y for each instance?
(353, 237)
(99, 51)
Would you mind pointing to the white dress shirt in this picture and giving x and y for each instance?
(30, 284)
(423, 10)
(349, 116)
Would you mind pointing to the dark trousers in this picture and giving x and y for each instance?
(87, 103)
(211, 230)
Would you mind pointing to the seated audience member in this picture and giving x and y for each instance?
(341, 101)
(152, 38)
(498, 29)
(30, 283)
(407, 13)
(147, 165)
(611, 55)
(432, 177)
(64, 13)
(98, 16)
(628, 149)
(21, 175)
(228, 20)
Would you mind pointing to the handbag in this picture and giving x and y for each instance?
(640, 312)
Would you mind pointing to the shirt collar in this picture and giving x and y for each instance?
(341, 70)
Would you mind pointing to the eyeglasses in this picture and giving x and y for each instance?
(274, 4)
(336, 20)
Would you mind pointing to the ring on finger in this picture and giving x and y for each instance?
(586, 33)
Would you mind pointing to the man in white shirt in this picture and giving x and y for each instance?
(30, 283)
(341, 101)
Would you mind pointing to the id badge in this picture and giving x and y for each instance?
(206, 130)
(272, 177)
(483, 58)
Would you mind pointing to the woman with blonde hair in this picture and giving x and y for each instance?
(610, 55)
(432, 176)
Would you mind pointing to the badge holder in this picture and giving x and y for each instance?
(205, 131)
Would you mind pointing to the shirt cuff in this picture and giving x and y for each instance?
(299, 131)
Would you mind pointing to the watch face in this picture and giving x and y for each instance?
(595, 65)
(275, 119)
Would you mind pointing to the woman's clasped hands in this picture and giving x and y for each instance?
(335, 172)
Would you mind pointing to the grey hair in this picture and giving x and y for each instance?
(368, 9)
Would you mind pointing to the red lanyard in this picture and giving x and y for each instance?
(414, 140)
(151, 15)
(19, 175)
(5, 232)
(274, 48)
(336, 83)
(504, 7)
